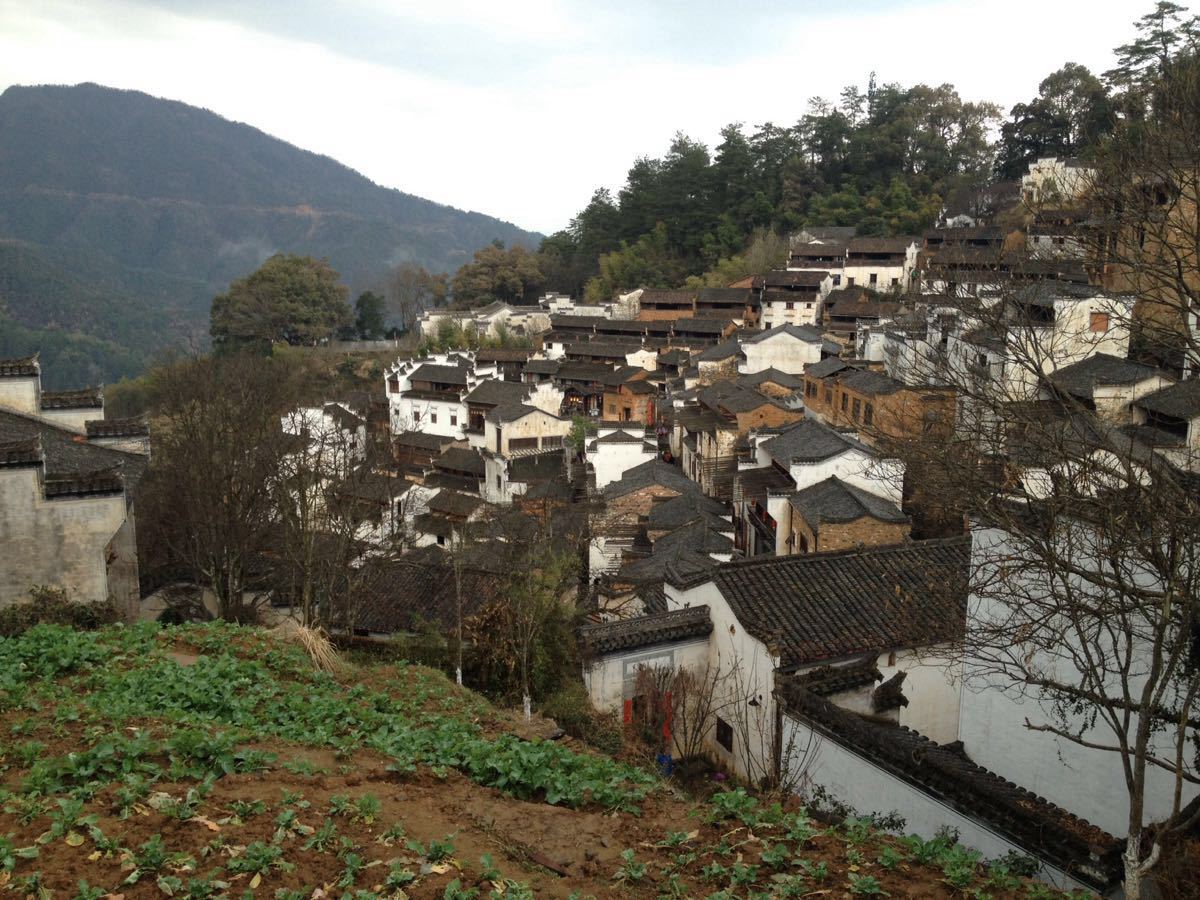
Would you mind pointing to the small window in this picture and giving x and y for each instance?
(808, 306)
(868, 414)
(1099, 321)
(441, 539)
(499, 483)
(724, 734)
(433, 418)
(844, 403)
(789, 305)
(856, 408)
(892, 659)
(453, 419)
(895, 282)
(850, 282)
(837, 279)
(874, 278)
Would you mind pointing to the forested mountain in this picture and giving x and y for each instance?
(122, 215)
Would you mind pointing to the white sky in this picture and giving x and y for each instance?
(521, 108)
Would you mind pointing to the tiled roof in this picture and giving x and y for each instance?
(785, 278)
(723, 295)
(754, 484)
(436, 374)
(773, 376)
(510, 412)
(1180, 401)
(67, 453)
(657, 297)
(502, 355)
(132, 427)
(87, 398)
(826, 367)
(858, 303)
(620, 437)
(829, 232)
(818, 251)
(809, 441)
(828, 606)
(834, 501)
(420, 440)
(880, 245)
(646, 631)
(733, 397)
(799, 332)
(22, 367)
(679, 511)
(700, 326)
(650, 473)
(826, 680)
(82, 484)
(726, 349)
(867, 382)
(454, 503)
(1081, 378)
(699, 536)
(493, 392)
(21, 454)
(542, 366)
(461, 459)
(1038, 826)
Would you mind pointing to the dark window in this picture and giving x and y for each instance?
(789, 305)
(433, 418)
(441, 539)
(874, 278)
(868, 414)
(857, 408)
(499, 484)
(724, 734)
(850, 282)
(844, 399)
(453, 419)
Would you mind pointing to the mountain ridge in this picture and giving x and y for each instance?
(157, 205)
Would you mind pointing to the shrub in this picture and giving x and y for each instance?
(51, 606)
(572, 709)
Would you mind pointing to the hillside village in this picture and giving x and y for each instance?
(819, 515)
(764, 486)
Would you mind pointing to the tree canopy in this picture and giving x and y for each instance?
(289, 299)
(510, 275)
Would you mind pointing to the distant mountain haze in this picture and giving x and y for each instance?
(122, 215)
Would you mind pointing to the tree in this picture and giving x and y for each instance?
(289, 299)
(511, 276)
(411, 290)
(218, 447)
(368, 320)
(1164, 34)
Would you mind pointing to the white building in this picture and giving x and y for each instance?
(786, 348)
(1056, 180)
(881, 264)
(615, 450)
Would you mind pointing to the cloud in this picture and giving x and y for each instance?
(522, 109)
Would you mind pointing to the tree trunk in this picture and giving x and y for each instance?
(1133, 867)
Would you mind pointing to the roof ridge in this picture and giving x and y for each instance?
(853, 551)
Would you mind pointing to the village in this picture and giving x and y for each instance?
(809, 512)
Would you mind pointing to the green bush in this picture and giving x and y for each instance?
(50, 606)
(571, 708)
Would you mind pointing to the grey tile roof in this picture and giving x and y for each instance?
(729, 396)
(826, 680)
(773, 376)
(620, 437)
(422, 441)
(867, 382)
(726, 349)
(649, 473)
(510, 412)
(799, 332)
(826, 367)
(461, 459)
(1081, 378)
(754, 484)
(785, 278)
(87, 398)
(834, 501)
(678, 511)
(723, 295)
(1180, 401)
(454, 503)
(945, 772)
(809, 441)
(437, 374)
(22, 367)
(829, 606)
(67, 454)
(494, 392)
(136, 426)
(656, 297)
(542, 366)
(646, 631)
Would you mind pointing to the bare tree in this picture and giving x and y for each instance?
(218, 447)
(410, 290)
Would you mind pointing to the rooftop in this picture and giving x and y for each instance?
(21, 367)
(829, 606)
(67, 454)
(809, 441)
(1082, 378)
(1179, 401)
(436, 374)
(647, 631)
(86, 398)
(799, 332)
(136, 426)
(648, 474)
(833, 501)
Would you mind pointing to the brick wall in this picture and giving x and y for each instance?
(867, 531)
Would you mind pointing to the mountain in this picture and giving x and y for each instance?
(122, 214)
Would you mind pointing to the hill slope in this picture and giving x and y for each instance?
(152, 206)
(209, 761)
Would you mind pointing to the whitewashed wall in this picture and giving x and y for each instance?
(782, 351)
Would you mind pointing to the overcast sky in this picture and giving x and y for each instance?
(520, 109)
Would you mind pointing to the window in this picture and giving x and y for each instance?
(499, 483)
(433, 418)
(895, 282)
(850, 282)
(1099, 321)
(856, 408)
(874, 278)
(828, 394)
(837, 279)
(724, 734)
(441, 539)
(868, 414)
(612, 409)
(789, 305)
(808, 306)
(453, 419)
(844, 399)
(892, 659)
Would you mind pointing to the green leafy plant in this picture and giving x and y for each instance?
(631, 870)
(866, 886)
(890, 858)
(366, 808)
(322, 838)
(258, 859)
